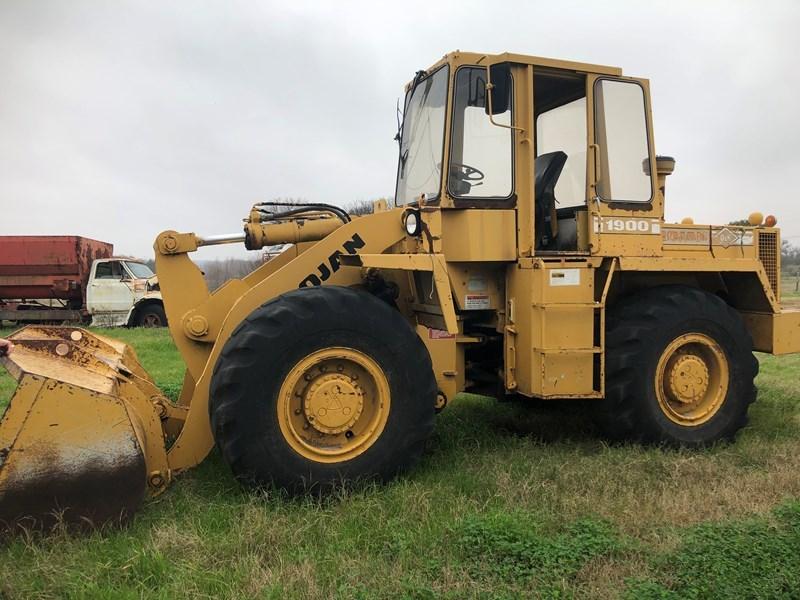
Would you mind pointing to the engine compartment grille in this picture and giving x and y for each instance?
(769, 254)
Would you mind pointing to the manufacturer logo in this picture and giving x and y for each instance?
(727, 238)
(326, 269)
(687, 236)
(708, 236)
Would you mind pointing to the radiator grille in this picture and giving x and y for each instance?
(768, 253)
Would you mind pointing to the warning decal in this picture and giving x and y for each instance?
(476, 302)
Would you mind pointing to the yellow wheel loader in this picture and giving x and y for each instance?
(526, 254)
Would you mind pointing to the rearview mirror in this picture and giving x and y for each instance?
(499, 96)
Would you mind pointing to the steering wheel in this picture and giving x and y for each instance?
(467, 173)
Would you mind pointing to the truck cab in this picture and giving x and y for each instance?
(124, 291)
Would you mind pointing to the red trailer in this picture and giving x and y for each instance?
(47, 274)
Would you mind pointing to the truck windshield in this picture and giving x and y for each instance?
(422, 143)
(139, 270)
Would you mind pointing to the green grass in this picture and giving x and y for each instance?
(790, 287)
(509, 501)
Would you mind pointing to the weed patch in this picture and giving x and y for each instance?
(512, 547)
(757, 557)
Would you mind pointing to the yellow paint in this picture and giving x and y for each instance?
(691, 379)
(333, 405)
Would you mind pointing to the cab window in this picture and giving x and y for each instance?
(621, 134)
(481, 160)
(108, 270)
(419, 171)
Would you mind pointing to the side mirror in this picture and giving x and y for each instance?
(499, 96)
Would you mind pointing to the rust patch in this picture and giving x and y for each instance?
(97, 494)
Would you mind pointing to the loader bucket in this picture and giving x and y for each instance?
(81, 441)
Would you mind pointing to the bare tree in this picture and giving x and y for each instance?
(360, 207)
(218, 272)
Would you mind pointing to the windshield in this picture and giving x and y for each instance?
(420, 168)
(139, 270)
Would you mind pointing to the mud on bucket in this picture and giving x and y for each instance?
(81, 436)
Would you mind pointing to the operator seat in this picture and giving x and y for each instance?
(547, 170)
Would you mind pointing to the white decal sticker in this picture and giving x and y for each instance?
(565, 277)
(626, 225)
(476, 302)
(738, 237)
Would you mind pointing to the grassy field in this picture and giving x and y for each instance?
(510, 501)
(790, 289)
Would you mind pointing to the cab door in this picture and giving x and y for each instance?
(560, 164)
(625, 209)
(109, 288)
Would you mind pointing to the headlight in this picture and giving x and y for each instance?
(412, 220)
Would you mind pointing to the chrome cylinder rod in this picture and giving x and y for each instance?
(216, 240)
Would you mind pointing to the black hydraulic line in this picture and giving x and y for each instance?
(299, 208)
(275, 216)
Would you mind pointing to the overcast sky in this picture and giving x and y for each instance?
(121, 119)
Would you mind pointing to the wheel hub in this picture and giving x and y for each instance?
(333, 403)
(689, 379)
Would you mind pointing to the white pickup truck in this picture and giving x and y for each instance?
(124, 291)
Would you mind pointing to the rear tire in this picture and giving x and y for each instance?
(319, 386)
(679, 369)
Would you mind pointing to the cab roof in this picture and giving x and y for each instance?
(459, 57)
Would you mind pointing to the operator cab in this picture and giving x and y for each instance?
(566, 145)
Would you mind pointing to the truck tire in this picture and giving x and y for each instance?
(679, 369)
(320, 386)
(151, 315)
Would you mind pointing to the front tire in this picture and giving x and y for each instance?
(679, 369)
(319, 386)
(151, 315)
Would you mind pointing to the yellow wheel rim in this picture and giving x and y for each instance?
(333, 405)
(692, 379)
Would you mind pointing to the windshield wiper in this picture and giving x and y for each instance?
(401, 117)
(403, 159)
